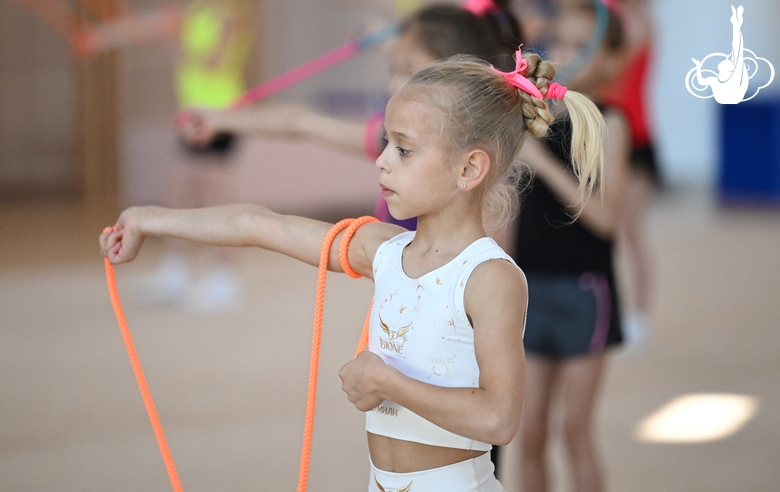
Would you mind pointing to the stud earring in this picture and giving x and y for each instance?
(463, 185)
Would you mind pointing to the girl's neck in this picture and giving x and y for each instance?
(448, 230)
(439, 239)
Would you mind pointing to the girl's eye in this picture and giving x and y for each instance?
(402, 151)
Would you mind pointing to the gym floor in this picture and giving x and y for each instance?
(230, 388)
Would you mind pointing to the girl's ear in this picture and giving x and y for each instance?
(474, 170)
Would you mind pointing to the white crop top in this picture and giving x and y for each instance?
(419, 326)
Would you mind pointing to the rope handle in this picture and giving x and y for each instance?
(350, 226)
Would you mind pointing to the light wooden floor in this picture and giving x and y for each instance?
(230, 389)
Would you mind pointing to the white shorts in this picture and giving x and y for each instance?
(474, 475)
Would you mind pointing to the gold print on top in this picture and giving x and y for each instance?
(387, 299)
(438, 281)
(392, 334)
(405, 488)
(442, 368)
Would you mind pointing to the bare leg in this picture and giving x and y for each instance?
(540, 378)
(633, 240)
(219, 286)
(580, 381)
(203, 181)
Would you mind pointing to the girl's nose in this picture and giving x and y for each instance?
(381, 162)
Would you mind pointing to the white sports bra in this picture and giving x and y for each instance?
(419, 326)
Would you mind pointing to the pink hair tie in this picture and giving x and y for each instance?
(556, 91)
(481, 7)
(517, 79)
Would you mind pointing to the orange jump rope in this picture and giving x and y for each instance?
(349, 226)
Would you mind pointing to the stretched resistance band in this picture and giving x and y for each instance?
(305, 71)
(349, 226)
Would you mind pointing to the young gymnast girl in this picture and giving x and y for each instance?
(629, 92)
(486, 29)
(574, 312)
(442, 379)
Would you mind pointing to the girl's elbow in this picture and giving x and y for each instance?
(504, 435)
(607, 232)
(503, 429)
(607, 227)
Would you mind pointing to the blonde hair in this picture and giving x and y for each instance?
(483, 111)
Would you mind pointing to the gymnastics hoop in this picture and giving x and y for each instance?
(349, 226)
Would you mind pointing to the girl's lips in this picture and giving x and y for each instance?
(386, 192)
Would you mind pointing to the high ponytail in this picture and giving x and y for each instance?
(482, 110)
(587, 148)
(588, 128)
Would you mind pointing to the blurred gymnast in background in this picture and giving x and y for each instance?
(485, 29)
(629, 92)
(215, 41)
(565, 247)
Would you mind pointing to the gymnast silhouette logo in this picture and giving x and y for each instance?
(729, 84)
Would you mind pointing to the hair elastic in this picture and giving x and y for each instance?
(517, 79)
(556, 91)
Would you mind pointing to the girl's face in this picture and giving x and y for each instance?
(417, 176)
(407, 57)
(570, 34)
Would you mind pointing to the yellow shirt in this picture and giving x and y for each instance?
(216, 40)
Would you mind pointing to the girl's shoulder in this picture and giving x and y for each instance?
(369, 238)
(397, 241)
(486, 256)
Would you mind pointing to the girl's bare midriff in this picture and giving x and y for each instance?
(398, 456)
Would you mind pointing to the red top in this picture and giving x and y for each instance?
(628, 93)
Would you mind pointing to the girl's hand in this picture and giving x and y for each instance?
(200, 129)
(122, 242)
(361, 380)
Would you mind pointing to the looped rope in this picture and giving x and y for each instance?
(349, 226)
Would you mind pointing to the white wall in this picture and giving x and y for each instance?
(687, 128)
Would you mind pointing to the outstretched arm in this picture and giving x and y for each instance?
(279, 119)
(495, 300)
(241, 225)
